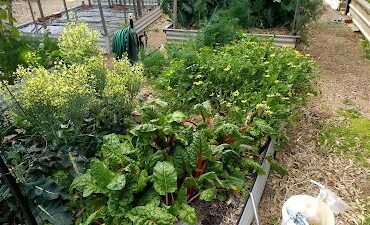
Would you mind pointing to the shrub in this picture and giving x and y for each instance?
(242, 77)
(250, 13)
(218, 31)
(79, 88)
(18, 50)
(153, 63)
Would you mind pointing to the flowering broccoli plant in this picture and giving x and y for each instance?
(78, 91)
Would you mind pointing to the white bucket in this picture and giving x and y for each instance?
(314, 210)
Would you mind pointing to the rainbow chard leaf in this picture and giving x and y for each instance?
(208, 194)
(150, 214)
(164, 178)
(117, 183)
(187, 214)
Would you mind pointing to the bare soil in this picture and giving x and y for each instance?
(344, 83)
(22, 13)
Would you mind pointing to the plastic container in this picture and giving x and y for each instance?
(313, 209)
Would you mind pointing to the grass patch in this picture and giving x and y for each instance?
(349, 137)
(366, 45)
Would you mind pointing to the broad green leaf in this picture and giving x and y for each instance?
(208, 194)
(143, 128)
(199, 147)
(151, 215)
(164, 178)
(252, 166)
(93, 216)
(117, 183)
(142, 180)
(85, 183)
(277, 167)
(150, 197)
(177, 117)
(188, 214)
(53, 212)
(101, 174)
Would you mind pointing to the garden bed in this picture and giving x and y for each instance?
(237, 210)
(175, 35)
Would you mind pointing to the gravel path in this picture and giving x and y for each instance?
(345, 77)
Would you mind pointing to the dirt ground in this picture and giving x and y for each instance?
(22, 14)
(344, 83)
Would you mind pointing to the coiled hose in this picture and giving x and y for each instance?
(125, 42)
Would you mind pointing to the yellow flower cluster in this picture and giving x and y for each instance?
(78, 43)
(54, 89)
(123, 81)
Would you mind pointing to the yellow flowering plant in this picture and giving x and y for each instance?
(79, 88)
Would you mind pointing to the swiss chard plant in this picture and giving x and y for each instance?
(152, 174)
(246, 80)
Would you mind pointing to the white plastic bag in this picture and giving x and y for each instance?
(305, 209)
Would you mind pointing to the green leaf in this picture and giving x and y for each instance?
(252, 165)
(143, 128)
(277, 167)
(164, 178)
(151, 215)
(199, 146)
(101, 174)
(150, 197)
(188, 214)
(204, 109)
(117, 183)
(53, 212)
(177, 117)
(142, 180)
(85, 184)
(208, 194)
(93, 216)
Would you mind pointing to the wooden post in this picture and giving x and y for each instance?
(10, 181)
(41, 14)
(10, 12)
(66, 8)
(135, 8)
(33, 16)
(139, 8)
(174, 19)
(295, 20)
(125, 10)
(102, 18)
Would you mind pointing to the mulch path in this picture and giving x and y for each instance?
(344, 83)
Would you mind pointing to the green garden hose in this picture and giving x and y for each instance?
(125, 42)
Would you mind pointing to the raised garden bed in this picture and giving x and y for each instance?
(360, 12)
(175, 35)
(239, 211)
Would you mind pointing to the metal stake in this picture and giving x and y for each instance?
(33, 16)
(41, 13)
(66, 9)
(10, 181)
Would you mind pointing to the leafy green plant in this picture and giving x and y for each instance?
(250, 13)
(246, 80)
(18, 50)
(164, 163)
(153, 63)
(78, 92)
(218, 31)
